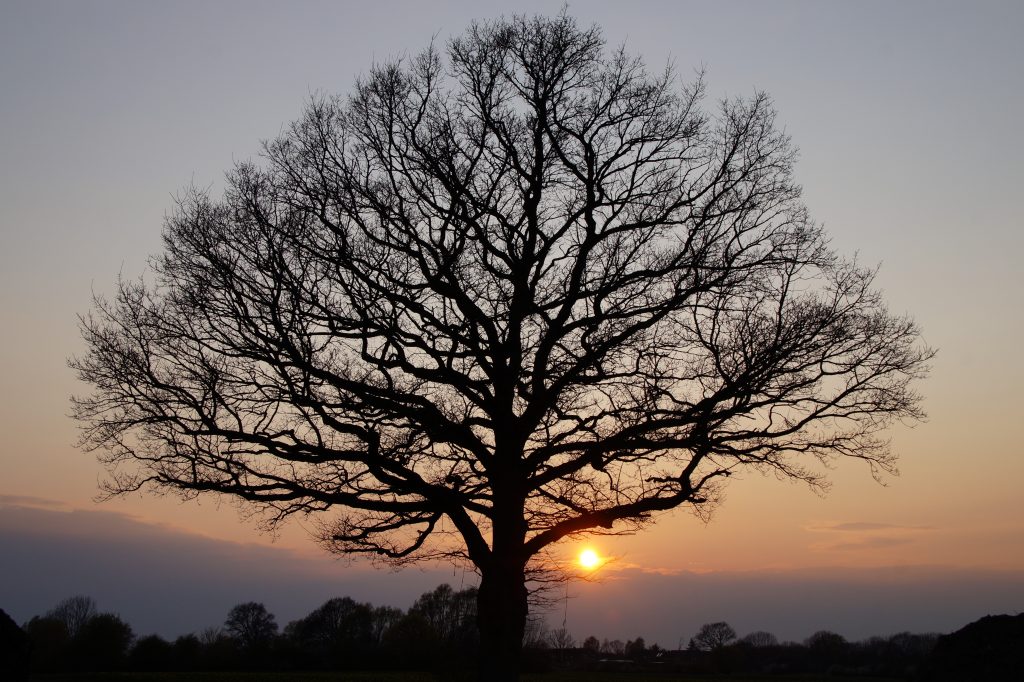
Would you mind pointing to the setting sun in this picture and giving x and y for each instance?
(589, 559)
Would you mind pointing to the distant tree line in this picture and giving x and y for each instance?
(341, 634)
(716, 649)
(438, 633)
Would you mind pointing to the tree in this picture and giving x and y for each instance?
(536, 634)
(382, 619)
(760, 639)
(561, 638)
(49, 643)
(15, 648)
(614, 647)
(187, 653)
(636, 649)
(152, 653)
(712, 636)
(102, 643)
(54, 636)
(74, 612)
(450, 613)
(412, 642)
(251, 624)
(219, 651)
(493, 300)
(826, 644)
(335, 633)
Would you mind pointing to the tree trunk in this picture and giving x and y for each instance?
(501, 617)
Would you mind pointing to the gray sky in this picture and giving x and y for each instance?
(908, 119)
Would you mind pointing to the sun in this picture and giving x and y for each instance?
(589, 559)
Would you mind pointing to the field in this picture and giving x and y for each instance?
(377, 676)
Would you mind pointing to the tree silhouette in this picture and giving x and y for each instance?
(74, 613)
(152, 653)
(760, 639)
(712, 636)
(251, 624)
(561, 638)
(412, 642)
(613, 647)
(188, 652)
(826, 648)
(335, 633)
(451, 613)
(492, 301)
(15, 648)
(49, 643)
(383, 618)
(101, 643)
(636, 649)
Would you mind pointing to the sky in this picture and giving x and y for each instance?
(907, 117)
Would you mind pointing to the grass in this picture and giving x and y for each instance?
(383, 676)
(374, 676)
(669, 677)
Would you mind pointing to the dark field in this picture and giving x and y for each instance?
(376, 676)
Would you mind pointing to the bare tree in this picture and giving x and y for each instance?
(251, 624)
(102, 643)
(636, 649)
(74, 613)
(451, 613)
(561, 638)
(209, 636)
(614, 647)
(760, 639)
(712, 636)
(340, 626)
(491, 301)
(383, 618)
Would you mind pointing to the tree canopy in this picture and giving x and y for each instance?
(251, 624)
(501, 294)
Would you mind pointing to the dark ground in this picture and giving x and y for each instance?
(376, 676)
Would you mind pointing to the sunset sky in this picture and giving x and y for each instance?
(908, 117)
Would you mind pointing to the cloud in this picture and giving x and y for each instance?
(865, 535)
(30, 501)
(613, 567)
(169, 581)
(866, 543)
(862, 526)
